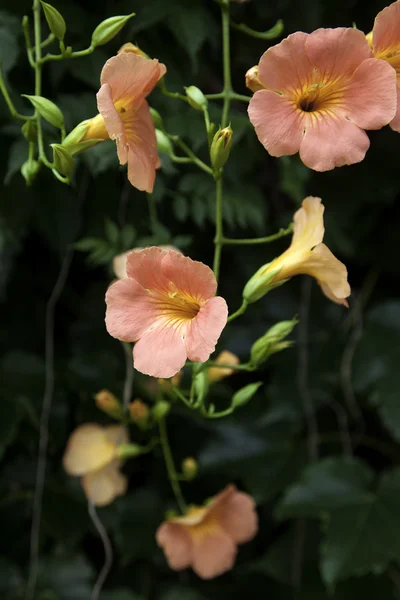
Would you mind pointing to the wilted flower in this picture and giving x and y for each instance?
(126, 80)
(385, 43)
(322, 90)
(225, 358)
(92, 454)
(166, 305)
(306, 255)
(252, 81)
(206, 538)
(119, 262)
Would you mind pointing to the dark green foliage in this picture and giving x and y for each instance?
(329, 524)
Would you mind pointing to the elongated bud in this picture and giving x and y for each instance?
(75, 141)
(252, 80)
(157, 120)
(29, 131)
(109, 29)
(200, 384)
(109, 404)
(128, 450)
(55, 20)
(47, 109)
(189, 468)
(260, 284)
(29, 170)
(245, 394)
(139, 412)
(196, 98)
(129, 47)
(160, 410)
(163, 143)
(63, 161)
(271, 342)
(221, 147)
(77, 134)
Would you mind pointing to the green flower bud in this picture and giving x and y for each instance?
(109, 29)
(29, 170)
(29, 131)
(271, 342)
(77, 133)
(157, 120)
(128, 450)
(47, 109)
(196, 98)
(189, 468)
(221, 147)
(55, 20)
(260, 284)
(200, 385)
(163, 143)
(63, 161)
(160, 410)
(245, 394)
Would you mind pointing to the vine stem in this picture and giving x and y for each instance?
(108, 551)
(218, 241)
(169, 463)
(226, 59)
(263, 240)
(239, 311)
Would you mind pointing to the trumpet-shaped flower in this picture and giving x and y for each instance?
(167, 306)
(385, 43)
(92, 454)
(306, 255)
(216, 373)
(126, 80)
(206, 538)
(322, 90)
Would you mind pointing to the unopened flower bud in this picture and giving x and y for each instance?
(196, 98)
(129, 47)
(160, 410)
(139, 412)
(221, 147)
(55, 20)
(128, 450)
(157, 120)
(47, 109)
(200, 385)
(189, 468)
(252, 80)
(260, 284)
(29, 131)
(245, 394)
(29, 170)
(271, 342)
(108, 29)
(63, 160)
(109, 404)
(163, 143)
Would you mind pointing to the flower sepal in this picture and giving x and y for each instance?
(260, 284)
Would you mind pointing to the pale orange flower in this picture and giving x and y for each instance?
(224, 358)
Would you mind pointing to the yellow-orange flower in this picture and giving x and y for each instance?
(206, 538)
(225, 358)
(92, 454)
(306, 255)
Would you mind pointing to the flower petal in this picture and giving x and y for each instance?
(277, 121)
(386, 31)
(329, 271)
(338, 52)
(129, 311)
(395, 124)
(112, 121)
(332, 141)
(214, 552)
(160, 352)
(88, 449)
(143, 159)
(145, 267)
(204, 330)
(176, 544)
(286, 66)
(190, 277)
(131, 77)
(116, 434)
(370, 98)
(237, 516)
(103, 486)
(308, 230)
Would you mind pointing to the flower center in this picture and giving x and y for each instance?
(319, 96)
(176, 306)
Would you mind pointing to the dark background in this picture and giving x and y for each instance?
(318, 447)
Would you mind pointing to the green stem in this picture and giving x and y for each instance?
(181, 396)
(163, 88)
(219, 236)
(239, 312)
(226, 59)
(9, 102)
(169, 463)
(152, 213)
(191, 154)
(231, 95)
(50, 38)
(64, 55)
(218, 415)
(28, 42)
(233, 367)
(180, 159)
(263, 240)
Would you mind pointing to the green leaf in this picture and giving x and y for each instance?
(17, 156)
(47, 109)
(112, 232)
(55, 20)
(9, 30)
